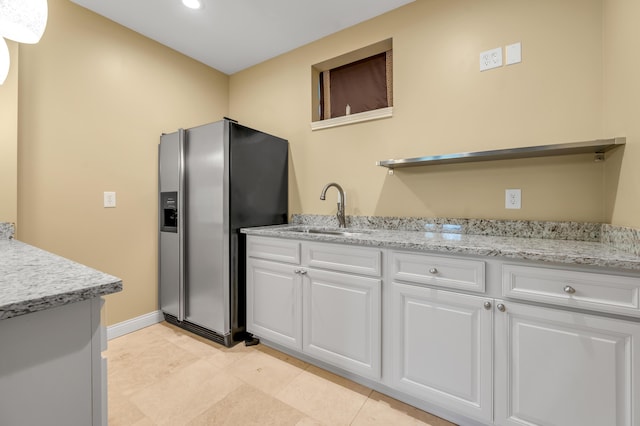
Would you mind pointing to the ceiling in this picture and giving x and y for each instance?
(231, 35)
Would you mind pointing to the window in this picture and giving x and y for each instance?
(354, 87)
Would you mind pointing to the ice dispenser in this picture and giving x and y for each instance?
(169, 211)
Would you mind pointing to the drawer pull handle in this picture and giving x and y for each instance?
(302, 272)
(568, 289)
(487, 305)
(433, 271)
(501, 307)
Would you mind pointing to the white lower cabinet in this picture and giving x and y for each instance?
(442, 348)
(476, 356)
(318, 305)
(51, 367)
(342, 321)
(274, 302)
(557, 368)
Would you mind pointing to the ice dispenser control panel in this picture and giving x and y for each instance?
(169, 211)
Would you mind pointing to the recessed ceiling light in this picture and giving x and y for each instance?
(192, 4)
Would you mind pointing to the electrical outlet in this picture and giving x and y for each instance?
(513, 199)
(490, 59)
(109, 199)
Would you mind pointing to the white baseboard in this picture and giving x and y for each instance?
(134, 324)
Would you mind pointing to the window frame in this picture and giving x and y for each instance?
(351, 57)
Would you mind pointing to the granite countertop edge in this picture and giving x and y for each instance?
(32, 280)
(583, 253)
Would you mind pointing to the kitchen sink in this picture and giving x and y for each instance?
(338, 232)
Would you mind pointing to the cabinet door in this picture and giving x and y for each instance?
(274, 302)
(342, 321)
(565, 368)
(46, 374)
(442, 348)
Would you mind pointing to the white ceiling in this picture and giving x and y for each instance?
(231, 35)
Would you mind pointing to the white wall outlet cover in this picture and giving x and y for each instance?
(513, 53)
(490, 59)
(109, 199)
(513, 199)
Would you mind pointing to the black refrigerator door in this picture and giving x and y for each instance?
(258, 195)
(258, 167)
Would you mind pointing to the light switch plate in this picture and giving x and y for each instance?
(513, 53)
(109, 199)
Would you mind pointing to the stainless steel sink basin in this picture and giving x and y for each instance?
(341, 233)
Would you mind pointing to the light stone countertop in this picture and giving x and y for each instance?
(32, 280)
(536, 249)
(7, 229)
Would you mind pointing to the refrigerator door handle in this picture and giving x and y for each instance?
(181, 225)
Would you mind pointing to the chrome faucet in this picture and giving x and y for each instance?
(342, 200)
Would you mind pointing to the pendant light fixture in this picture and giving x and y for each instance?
(192, 4)
(23, 21)
(4, 60)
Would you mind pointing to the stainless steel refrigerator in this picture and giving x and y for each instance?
(213, 180)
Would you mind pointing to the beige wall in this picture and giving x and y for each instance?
(622, 106)
(443, 104)
(94, 99)
(9, 141)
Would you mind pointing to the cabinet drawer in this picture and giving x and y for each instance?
(439, 271)
(584, 290)
(280, 250)
(356, 260)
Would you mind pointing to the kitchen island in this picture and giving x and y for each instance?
(51, 338)
(479, 322)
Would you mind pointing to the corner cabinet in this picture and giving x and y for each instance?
(321, 299)
(564, 368)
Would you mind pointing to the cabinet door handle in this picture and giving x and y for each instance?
(501, 307)
(487, 305)
(302, 272)
(568, 289)
(433, 271)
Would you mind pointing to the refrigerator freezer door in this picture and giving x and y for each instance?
(207, 242)
(169, 250)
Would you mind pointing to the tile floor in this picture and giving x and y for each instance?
(163, 375)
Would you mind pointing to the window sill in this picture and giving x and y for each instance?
(376, 114)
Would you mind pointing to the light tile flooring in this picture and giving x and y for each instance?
(163, 375)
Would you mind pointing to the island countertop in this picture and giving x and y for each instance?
(585, 253)
(32, 280)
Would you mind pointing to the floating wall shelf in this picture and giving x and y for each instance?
(598, 147)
